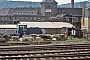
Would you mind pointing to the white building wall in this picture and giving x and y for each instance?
(7, 31)
(1, 31)
(10, 31)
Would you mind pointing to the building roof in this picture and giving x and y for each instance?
(10, 11)
(48, 0)
(40, 25)
(4, 11)
(70, 11)
(8, 26)
(48, 24)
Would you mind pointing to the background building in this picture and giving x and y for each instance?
(41, 14)
(9, 15)
(86, 20)
(46, 27)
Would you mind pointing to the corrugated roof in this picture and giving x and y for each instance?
(70, 11)
(4, 11)
(48, 0)
(48, 24)
(40, 25)
(8, 26)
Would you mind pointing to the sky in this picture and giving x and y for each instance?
(59, 1)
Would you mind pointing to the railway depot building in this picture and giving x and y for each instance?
(46, 27)
(48, 9)
(86, 20)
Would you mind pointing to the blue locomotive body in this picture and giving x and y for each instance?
(22, 29)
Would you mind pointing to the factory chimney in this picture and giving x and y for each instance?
(72, 3)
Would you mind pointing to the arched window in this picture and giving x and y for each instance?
(48, 6)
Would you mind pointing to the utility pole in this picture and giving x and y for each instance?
(63, 15)
(83, 16)
(89, 1)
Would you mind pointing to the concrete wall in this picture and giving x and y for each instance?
(86, 24)
(51, 31)
(87, 13)
(1, 31)
(7, 31)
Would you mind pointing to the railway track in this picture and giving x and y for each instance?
(46, 52)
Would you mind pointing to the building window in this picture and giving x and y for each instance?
(38, 18)
(18, 12)
(26, 18)
(18, 18)
(10, 18)
(48, 10)
(29, 12)
(23, 12)
(15, 12)
(30, 18)
(5, 18)
(48, 6)
(13, 18)
(26, 12)
(2, 18)
(34, 18)
(22, 18)
(32, 12)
